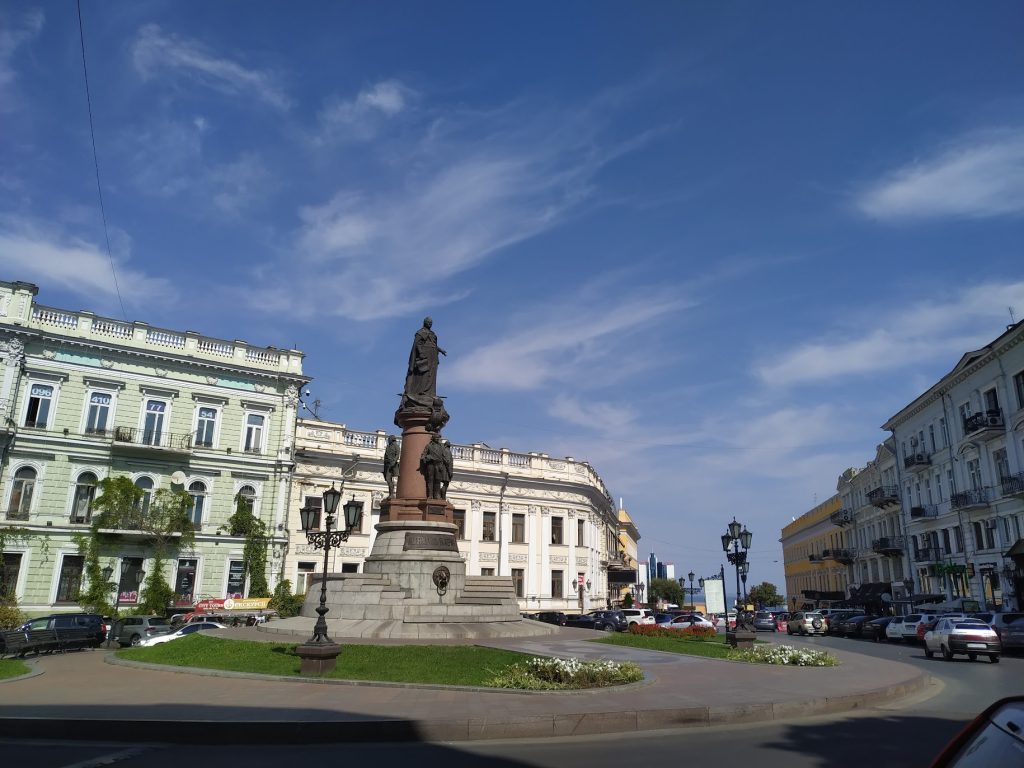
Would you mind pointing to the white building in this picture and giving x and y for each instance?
(548, 523)
(960, 474)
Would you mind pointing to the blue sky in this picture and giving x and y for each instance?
(709, 248)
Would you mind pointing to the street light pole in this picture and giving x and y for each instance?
(737, 535)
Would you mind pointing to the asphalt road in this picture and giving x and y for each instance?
(902, 735)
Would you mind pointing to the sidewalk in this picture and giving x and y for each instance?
(79, 695)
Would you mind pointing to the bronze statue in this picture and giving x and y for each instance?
(434, 468)
(421, 375)
(392, 455)
(449, 467)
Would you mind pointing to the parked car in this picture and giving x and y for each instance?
(188, 629)
(638, 616)
(806, 623)
(616, 618)
(952, 635)
(850, 626)
(836, 618)
(91, 621)
(874, 629)
(765, 620)
(1009, 627)
(894, 629)
(553, 617)
(782, 621)
(132, 630)
(911, 622)
(685, 621)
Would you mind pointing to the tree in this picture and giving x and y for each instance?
(254, 554)
(765, 594)
(627, 600)
(665, 589)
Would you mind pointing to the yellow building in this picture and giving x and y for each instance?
(816, 557)
(622, 574)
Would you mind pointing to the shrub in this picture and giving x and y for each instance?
(784, 654)
(546, 674)
(690, 633)
(284, 602)
(11, 616)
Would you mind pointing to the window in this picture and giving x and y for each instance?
(1002, 464)
(958, 537)
(40, 399)
(486, 571)
(305, 577)
(131, 578)
(185, 582)
(145, 484)
(991, 401)
(206, 425)
(10, 565)
(979, 539)
(938, 487)
(350, 567)
(459, 518)
(580, 532)
(518, 528)
(518, 581)
(153, 423)
(942, 431)
(488, 530)
(965, 412)
(931, 436)
(556, 530)
(254, 433)
(990, 530)
(317, 502)
(98, 415)
(236, 579)
(85, 491)
(197, 491)
(70, 582)
(557, 588)
(974, 473)
(1018, 387)
(946, 548)
(21, 494)
(246, 496)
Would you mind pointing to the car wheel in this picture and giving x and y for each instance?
(135, 640)
(972, 657)
(608, 628)
(946, 653)
(928, 654)
(993, 659)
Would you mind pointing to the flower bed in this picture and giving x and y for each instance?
(690, 633)
(784, 654)
(543, 674)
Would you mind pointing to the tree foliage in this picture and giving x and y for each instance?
(665, 589)
(627, 600)
(284, 602)
(764, 594)
(254, 554)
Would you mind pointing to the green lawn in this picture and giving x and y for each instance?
(12, 668)
(714, 648)
(442, 664)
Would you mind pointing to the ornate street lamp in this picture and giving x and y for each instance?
(319, 654)
(737, 536)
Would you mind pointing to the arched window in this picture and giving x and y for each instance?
(21, 494)
(197, 491)
(247, 495)
(145, 484)
(85, 492)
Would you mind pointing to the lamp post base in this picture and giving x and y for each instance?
(740, 638)
(318, 658)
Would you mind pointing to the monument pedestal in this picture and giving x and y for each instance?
(317, 658)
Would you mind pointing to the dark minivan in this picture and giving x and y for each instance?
(91, 621)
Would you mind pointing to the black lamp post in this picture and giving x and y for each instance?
(737, 536)
(319, 654)
(690, 590)
(744, 569)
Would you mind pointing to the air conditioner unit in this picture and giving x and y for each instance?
(994, 421)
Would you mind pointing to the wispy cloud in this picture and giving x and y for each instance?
(978, 177)
(926, 331)
(359, 118)
(15, 31)
(40, 255)
(155, 52)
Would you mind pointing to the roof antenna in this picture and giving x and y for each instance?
(1013, 320)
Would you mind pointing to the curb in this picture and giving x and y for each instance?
(33, 671)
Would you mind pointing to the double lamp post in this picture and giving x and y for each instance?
(735, 537)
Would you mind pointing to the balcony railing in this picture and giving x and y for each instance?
(158, 439)
(984, 425)
(845, 556)
(814, 558)
(1012, 485)
(884, 495)
(889, 545)
(927, 555)
(925, 510)
(842, 517)
(978, 497)
(917, 461)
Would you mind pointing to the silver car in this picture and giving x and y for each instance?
(952, 635)
(132, 630)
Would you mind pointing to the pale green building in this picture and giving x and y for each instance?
(84, 397)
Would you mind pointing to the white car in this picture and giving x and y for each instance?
(957, 634)
(685, 621)
(188, 629)
(638, 616)
(894, 630)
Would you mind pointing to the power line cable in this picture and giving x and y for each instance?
(96, 162)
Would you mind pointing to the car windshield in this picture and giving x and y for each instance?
(158, 622)
(913, 617)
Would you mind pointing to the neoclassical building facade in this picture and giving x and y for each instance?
(84, 397)
(549, 524)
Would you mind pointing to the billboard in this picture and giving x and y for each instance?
(714, 595)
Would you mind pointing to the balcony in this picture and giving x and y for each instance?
(884, 496)
(842, 517)
(844, 556)
(984, 426)
(153, 440)
(917, 461)
(890, 546)
(928, 555)
(1012, 485)
(814, 558)
(974, 499)
(926, 510)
